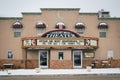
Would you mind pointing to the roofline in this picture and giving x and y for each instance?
(11, 18)
(31, 13)
(59, 9)
(111, 18)
(90, 13)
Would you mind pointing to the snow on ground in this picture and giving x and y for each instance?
(59, 71)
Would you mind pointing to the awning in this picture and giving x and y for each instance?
(60, 25)
(40, 25)
(80, 25)
(17, 25)
(103, 26)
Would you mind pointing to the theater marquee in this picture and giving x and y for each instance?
(60, 39)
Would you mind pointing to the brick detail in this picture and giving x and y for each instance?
(113, 63)
(19, 64)
(31, 64)
(61, 64)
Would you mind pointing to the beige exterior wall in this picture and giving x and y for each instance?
(50, 18)
(8, 42)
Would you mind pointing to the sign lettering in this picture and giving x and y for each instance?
(64, 42)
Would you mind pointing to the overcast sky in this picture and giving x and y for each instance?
(13, 8)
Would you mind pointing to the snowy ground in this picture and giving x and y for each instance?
(59, 71)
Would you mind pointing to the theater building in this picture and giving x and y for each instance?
(60, 38)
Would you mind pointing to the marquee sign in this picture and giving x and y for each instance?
(60, 34)
(55, 43)
(60, 39)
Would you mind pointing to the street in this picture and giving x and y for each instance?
(64, 77)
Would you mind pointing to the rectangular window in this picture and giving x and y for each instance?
(60, 55)
(10, 55)
(40, 31)
(80, 31)
(102, 33)
(17, 32)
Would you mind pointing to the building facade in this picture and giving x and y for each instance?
(60, 38)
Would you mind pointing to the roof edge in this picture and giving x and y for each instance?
(59, 9)
(88, 13)
(31, 13)
(12, 18)
(111, 18)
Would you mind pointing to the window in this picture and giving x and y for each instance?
(17, 28)
(80, 27)
(102, 33)
(41, 27)
(80, 31)
(17, 32)
(60, 25)
(10, 55)
(103, 27)
(40, 31)
(60, 55)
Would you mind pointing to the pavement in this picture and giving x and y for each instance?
(62, 77)
(60, 74)
(38, 71)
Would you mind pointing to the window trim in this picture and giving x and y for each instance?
(40, 32)
(10, 55)
(17, 30)
(102, 31)
(80, 31)
(60, 55)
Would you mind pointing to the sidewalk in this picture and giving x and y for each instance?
(59, 71)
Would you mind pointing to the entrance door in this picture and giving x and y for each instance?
(43, 59)
(77, 59)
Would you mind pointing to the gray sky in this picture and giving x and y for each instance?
(13, 8)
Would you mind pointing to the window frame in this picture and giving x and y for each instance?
(80, 31)
(17, 32)
(102, 33)
(40, 31)
(10, 55)
(60, 55)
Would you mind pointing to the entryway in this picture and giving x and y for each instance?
(77, 59)
(43, 58)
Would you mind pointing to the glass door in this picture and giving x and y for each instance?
(43, 59)
(77, 59)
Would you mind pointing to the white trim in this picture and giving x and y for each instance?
(81, 59)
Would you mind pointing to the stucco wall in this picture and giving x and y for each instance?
(50, 18)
